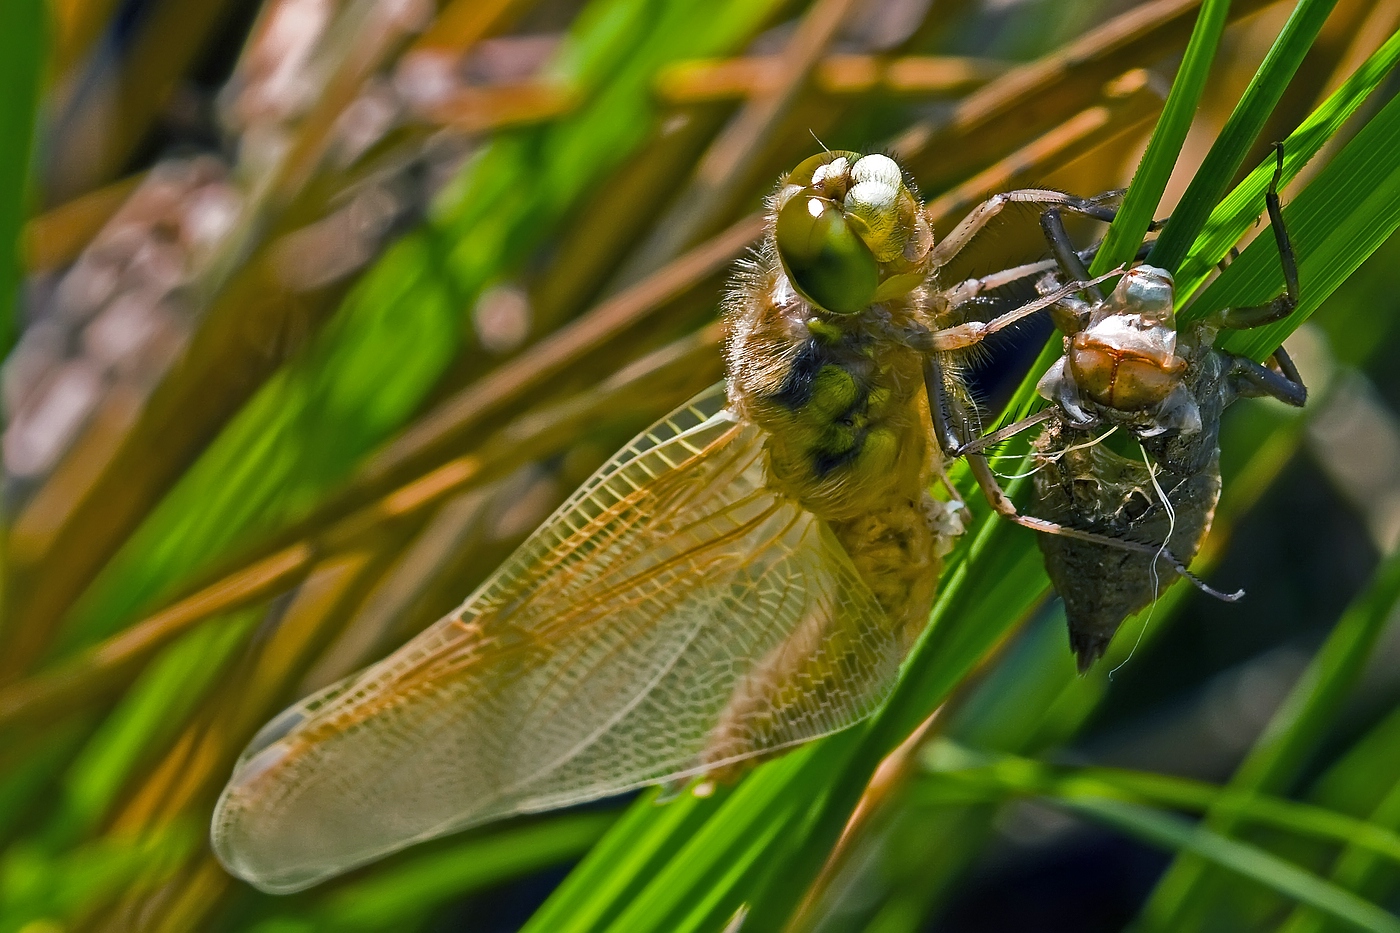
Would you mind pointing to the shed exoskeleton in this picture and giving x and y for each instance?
(1129, 369)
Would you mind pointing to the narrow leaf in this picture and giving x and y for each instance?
(1154, 171)
(1240, 131)
(1173, 832)
(1242, 207)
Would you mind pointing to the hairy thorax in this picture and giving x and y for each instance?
(841, 397)
(842, 400)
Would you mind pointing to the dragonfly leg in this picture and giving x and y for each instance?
(962, 336)
(961, 235)
(1255, 379)
(1282, 306)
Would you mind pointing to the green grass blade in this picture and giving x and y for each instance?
(1261, 809)
(1128, 229)
(1240, 131)
(53, 891)
(1290, 737)
(24, 32)
(385, 899)
(1173, 832)
(1365, 781)
(1243, 206)
(616, 869)
(992, 777)
(1353, 869)
(1343, 216)
(663, 873)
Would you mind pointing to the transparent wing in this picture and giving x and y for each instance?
(672, 617)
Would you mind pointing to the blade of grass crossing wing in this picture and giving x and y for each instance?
(402, 324)
(979, 603)
(1128, 229)
(661, 864)
(1240, 131)
(766, 826)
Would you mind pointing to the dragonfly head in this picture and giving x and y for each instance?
(850, 231)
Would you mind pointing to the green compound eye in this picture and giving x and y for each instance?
(802, 175)
(825, 259)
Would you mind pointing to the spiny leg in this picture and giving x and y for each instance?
(1282, 306)
(993, 438)
(962, 336)
(1074, 262)
(972, 289)
(1071, 262)
(1255, 379)
(961, 235)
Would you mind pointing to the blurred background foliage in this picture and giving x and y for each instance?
(317, 307)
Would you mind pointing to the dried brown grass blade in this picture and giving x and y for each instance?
(109, 664)
(738, 78)
(1129, 102)
(56, 237)
(1032, 99)
(480, 110)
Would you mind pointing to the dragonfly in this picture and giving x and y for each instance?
(744, 576)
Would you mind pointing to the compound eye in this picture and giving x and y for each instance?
(826, 261)
(879, 207)
(808, 168)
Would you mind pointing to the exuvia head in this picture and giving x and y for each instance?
(1145, 292)
(1125, 359)
(850, 232)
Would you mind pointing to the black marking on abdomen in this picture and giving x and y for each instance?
(801, 379)
(823, 461)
